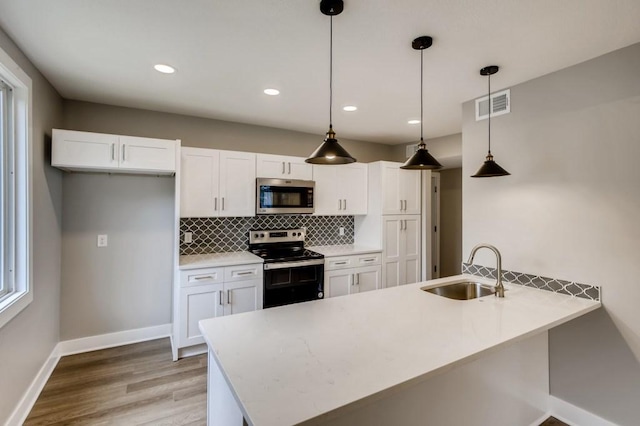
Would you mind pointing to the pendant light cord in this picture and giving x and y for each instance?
(421, 93)
(330, 71)
(489, 101)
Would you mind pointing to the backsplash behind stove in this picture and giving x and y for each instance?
(226, 234)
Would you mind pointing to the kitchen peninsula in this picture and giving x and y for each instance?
(394, 356)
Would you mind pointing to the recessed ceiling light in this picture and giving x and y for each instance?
(271, 92)
(350, 108)
(413, 121)
(165, 69)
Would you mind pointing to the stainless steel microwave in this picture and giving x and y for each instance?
(284, 196)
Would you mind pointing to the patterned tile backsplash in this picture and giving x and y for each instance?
(226, 234)
(543, 283)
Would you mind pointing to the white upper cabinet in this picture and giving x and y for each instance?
(217, 183)
(340, 190)
(394, 191)
(99, 152)
(283, 167)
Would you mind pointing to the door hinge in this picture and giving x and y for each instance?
(435, 269)
(435, 229)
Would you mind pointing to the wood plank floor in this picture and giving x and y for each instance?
(136, 384)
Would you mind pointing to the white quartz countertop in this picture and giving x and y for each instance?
(212, 260)
(344, 250)
(305, 363)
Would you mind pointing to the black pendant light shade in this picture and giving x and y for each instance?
(421, 159)
(330, 151)
(490, 168)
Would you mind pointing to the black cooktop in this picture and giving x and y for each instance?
(288, 254)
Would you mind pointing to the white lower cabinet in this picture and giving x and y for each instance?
(213, 292)
(352, 274)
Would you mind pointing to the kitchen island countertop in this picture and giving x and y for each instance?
(307, 361)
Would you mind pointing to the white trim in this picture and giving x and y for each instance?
(573, 415)
(541, 420)
(30, 397)
(110, 340)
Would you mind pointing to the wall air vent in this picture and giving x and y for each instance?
(500, 102)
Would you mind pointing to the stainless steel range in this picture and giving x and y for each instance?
(292, 273)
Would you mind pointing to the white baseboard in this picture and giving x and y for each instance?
(70, 347)
(110, 340)
(29, 398)
(574, 416)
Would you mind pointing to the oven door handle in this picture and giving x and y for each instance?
(293, 264)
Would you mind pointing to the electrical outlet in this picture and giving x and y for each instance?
(188, 237)
(341, 230)
(102, 241)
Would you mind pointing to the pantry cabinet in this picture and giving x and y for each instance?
(401, 242)
(341, 190)
(283, 167)
(99, 152)
(216, 183)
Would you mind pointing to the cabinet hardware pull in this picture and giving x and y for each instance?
(345, 203)
(351, 280)
(245, 273)
(215, 204)
(208, 277)
(220, 298)
(124, 152)
(228, 297)
(113, 152)
(222, 203)
(289, 168)
(368, 260)
(340, 263)
(283, 167)
(400, 205)
(339, 204)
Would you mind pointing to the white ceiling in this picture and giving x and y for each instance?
(227, 52)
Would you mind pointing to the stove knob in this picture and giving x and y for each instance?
(320, 295)
(255, 235)
(261, 235)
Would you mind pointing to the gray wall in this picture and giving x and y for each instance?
(208, 133)
(570, 211)
(127, 285)
(28, 339)
(450, 222)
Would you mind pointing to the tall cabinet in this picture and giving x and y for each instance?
(394, 221)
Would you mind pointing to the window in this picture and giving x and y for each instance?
(15, 237)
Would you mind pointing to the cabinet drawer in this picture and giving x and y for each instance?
(243, 272)
(369, 259)
(340, 262)
(201, 276)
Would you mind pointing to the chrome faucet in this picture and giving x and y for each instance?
(499, 287)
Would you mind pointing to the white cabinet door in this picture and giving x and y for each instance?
(368, 278)
(237, 184)
(71, 149)
(198, 303)
(410, 238)
(351, 188)
(199, 187)
(338, 283)
(409, 190)
(147, 154)
(283, 167)
(392, 250)
(325, 199)
(242, 296)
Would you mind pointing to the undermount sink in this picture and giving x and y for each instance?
(465, 290)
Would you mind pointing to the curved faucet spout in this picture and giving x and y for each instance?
(499, 285)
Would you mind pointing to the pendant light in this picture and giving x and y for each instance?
(490, 168)
(330, 151)
(421, 159)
